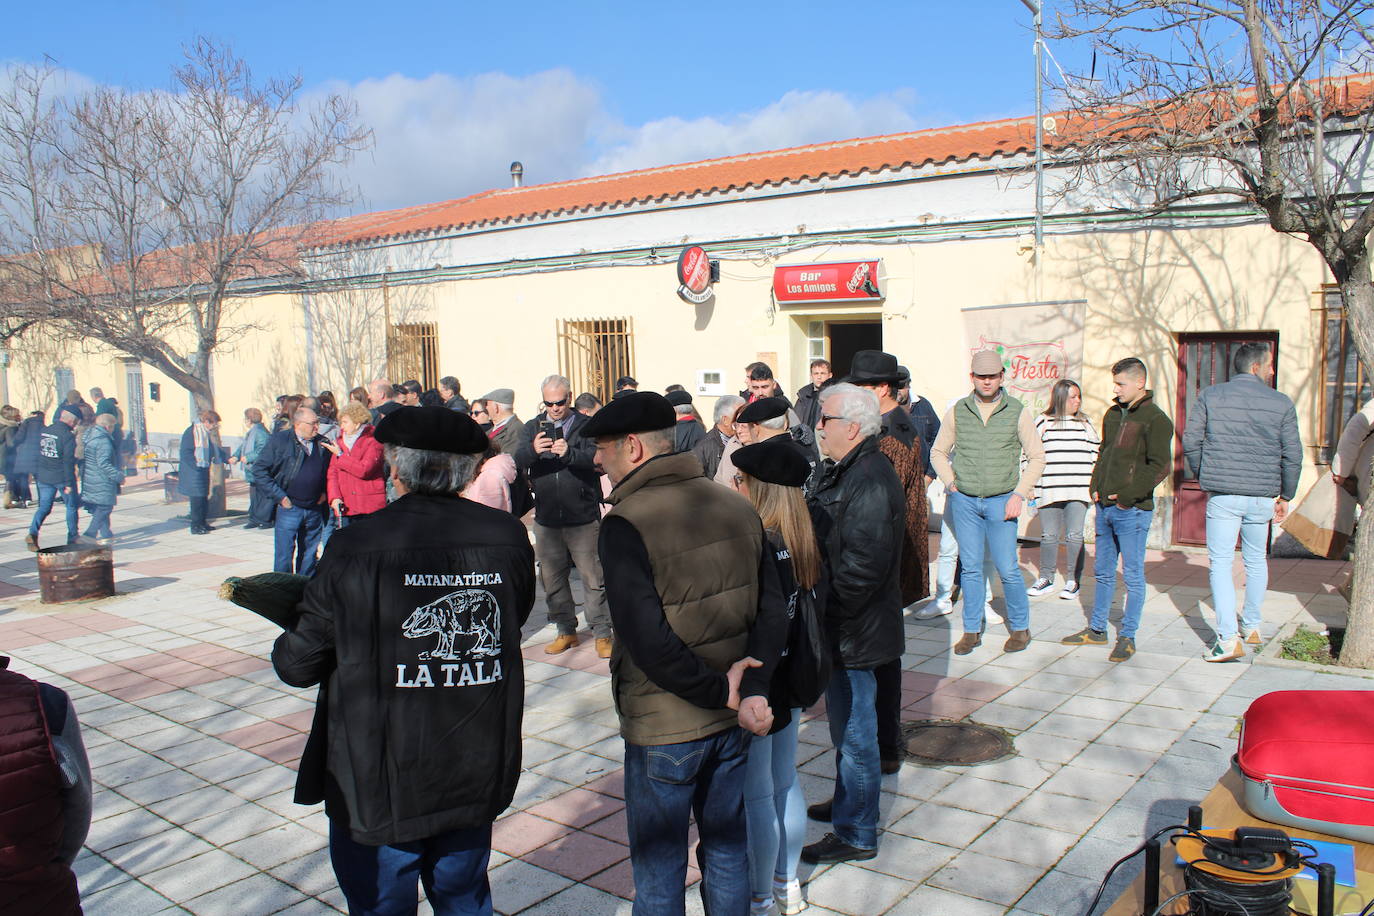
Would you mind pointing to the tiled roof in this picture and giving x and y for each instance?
(735, 173)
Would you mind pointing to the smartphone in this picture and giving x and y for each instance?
(550, 429)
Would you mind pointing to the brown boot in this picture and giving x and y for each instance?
(967, 643)
(1017, 641)
(603, 646)
(562, 643)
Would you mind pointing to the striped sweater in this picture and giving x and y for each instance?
(1070, 451)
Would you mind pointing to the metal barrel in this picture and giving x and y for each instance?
(75, 572)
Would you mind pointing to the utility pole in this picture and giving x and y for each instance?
(1036, 11)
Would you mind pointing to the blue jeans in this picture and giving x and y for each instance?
(984, 532)
(1120, 533)
(849, 703)
(774, 808)
(1249, 517)
(948, 560)
(46, 495)
(297, 532)
(664, 785)
(380, 880)
(100, 521)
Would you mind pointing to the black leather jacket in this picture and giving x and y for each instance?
(567, 490)
(866, 506)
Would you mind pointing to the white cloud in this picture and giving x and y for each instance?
(442, 136)
(796, 119)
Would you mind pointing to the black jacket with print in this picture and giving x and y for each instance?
(411, 627)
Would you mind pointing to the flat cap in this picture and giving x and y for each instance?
(502, 396)
(762, 409)
(986, 362)
(903, 377)
(679, 398)
(776, 460)
(634, 412)
(435, 429)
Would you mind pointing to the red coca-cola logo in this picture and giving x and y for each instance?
(694, 269)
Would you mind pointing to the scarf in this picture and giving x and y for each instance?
(351, 440)
(200, 433)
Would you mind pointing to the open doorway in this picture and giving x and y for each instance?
(845, 338)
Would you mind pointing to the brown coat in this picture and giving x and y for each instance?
(915, 568)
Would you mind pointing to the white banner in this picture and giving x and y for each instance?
(1039, 344)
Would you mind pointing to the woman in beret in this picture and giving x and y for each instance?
(771, 474)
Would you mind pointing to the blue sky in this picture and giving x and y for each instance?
(456, 90)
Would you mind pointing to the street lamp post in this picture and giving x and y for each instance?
(1036, 11)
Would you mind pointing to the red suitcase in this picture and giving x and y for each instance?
(1307, 760)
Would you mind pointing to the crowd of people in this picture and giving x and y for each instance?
(732, 574)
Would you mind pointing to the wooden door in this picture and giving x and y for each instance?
(1203, 359)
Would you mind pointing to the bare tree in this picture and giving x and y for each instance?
(350, 307)
(141, 219)
(1207, 101)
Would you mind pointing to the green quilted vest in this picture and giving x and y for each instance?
(987, 457)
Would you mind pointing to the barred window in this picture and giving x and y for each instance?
(1345, 385)
(594, 352)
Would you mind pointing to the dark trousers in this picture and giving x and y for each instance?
(199, 506)
(380, 880)
(889, 708)
(260, 507)
(19, 487)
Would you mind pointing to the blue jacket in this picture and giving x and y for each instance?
(100, 477)
(280, 461)
(194, 481)
(251, 447)
(25, 444)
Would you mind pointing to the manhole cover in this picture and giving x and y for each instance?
(940, 742)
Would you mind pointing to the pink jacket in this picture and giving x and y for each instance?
(355, 476)
(491, 486)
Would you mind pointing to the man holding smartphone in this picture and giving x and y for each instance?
(557, 458)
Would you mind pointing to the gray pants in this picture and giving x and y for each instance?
(1062, 523)
(553, 547)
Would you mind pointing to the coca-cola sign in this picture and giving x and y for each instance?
(849, 281)
(694, 275)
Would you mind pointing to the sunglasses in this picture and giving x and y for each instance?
(556, 403)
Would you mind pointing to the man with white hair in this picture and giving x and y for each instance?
(710, 449)
(862, 496)
(507, 433)
(412, 631)
(558, 460)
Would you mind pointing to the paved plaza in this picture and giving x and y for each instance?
(193, 743)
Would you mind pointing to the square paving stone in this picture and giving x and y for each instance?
(906, 858)
(846, 889)
(578, 855)
(276, 846)
(987, 878)
(934, 901)
(1024, 843)
(945, 825)
(197, 875)
(256, 894)
(518, 885)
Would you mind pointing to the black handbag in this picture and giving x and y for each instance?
(808, 651)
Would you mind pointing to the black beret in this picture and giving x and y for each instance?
(776, 460)
(631, 412)
(435, 429)
(679, 398)
(762, 409)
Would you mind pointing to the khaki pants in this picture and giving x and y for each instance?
(553, 547)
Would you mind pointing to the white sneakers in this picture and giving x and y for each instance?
(1042, 586)
(1070, 591)
(788, 895)
(937, 607)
